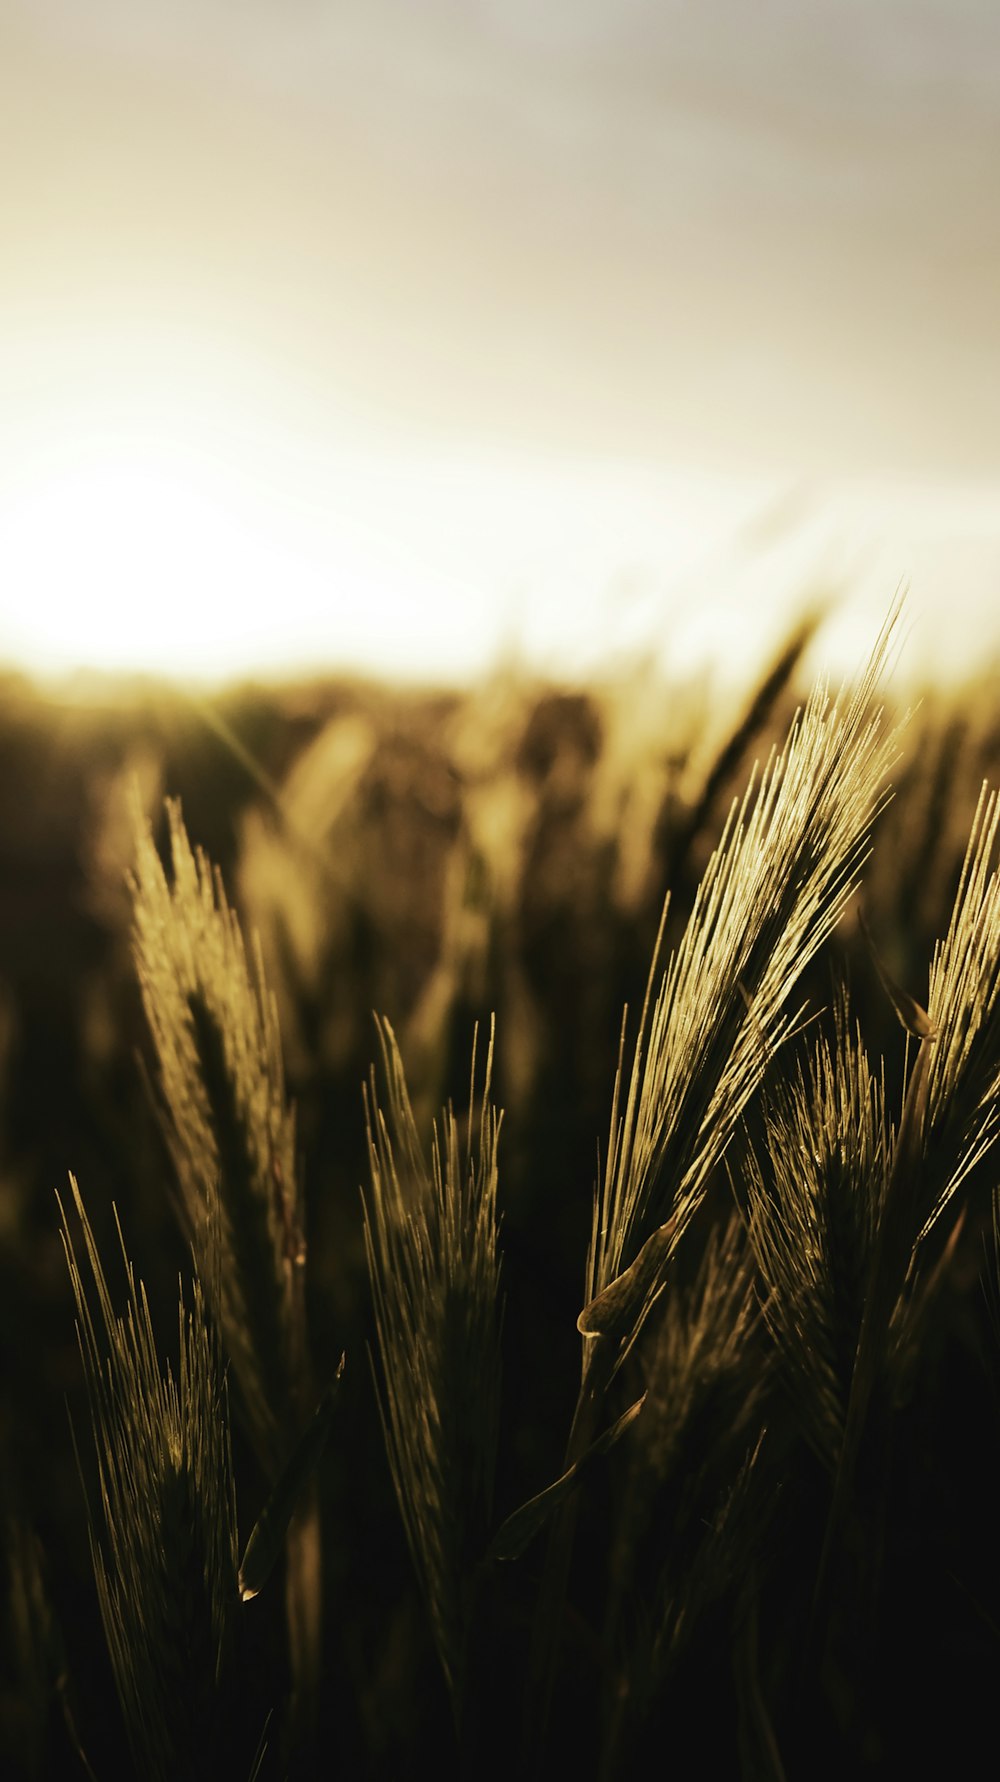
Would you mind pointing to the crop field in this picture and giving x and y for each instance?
(498, 1229)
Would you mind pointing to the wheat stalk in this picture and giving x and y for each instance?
(431, 1242)
(165, 1543)
(947, 1125)
(231, 1133)
(789, 858)
(693, 1511)
(963, 1009)
(813, 1202)
(950, 1117)
(230, 1130)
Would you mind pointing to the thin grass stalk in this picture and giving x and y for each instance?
(431, 1243)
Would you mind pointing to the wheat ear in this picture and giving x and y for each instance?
(164, 1541)
(431, 1239)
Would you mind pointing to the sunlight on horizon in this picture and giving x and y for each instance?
(411, 341)
(203, 556)
(157, 563)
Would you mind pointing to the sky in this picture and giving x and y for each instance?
(403, 335)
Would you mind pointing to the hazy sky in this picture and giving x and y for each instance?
(282, 235)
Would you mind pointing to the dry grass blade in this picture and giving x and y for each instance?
(788, 860)
(165, 1545)
(228, 1124)
(813, 1202)
(431, 1238)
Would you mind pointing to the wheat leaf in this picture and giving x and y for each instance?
(433, 1262)
(520, 1529)
(268, 1537)
(912, 1016)
(615, 1311)
(164, 1543)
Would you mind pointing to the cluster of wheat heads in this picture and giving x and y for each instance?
(431, 1238)
(767, 1241)
(230, 1130)
(164, 1540)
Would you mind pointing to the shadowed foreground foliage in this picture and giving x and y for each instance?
(719, 1483)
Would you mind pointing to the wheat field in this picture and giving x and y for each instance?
(499, 1244)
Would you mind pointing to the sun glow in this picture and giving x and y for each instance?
(172, 541)
(156, 537)
(160, 561)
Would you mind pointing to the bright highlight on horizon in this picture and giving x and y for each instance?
(136, 557)
(163, 541)
(425, 339)
(151, 562)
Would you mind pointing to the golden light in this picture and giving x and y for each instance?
(400, 342)
(187, 548)
(126, 565)
(197, 533)
(156, 555)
